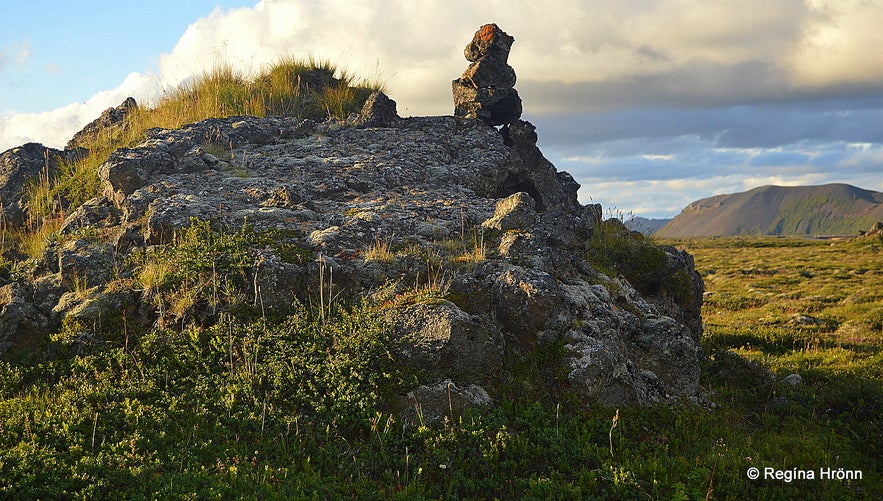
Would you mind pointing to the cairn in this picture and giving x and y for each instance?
(486, 89)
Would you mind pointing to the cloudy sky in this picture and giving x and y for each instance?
(649, 104)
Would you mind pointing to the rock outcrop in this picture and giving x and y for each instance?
(21, 168)
(487, 259)
(876, 230)
(486, 90)
(33, 163)
(110, 123)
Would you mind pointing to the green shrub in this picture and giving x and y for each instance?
(205, 271)
(616, 250)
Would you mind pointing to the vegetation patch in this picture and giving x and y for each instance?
(207, 271)
(615, 250)
(298, 406)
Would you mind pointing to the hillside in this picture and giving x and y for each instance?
(831, 209)
(373, 307)
(281, 280)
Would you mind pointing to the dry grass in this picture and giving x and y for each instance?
(379, 251)
(302, 88)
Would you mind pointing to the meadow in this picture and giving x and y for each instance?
(807, 307)
(295, 405)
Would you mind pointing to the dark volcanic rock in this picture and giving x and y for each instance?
(489, 40)
(111, 123)
(22, 324)
(20, 168)
(378, 111)
(486, 89)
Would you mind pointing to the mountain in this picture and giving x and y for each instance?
(831, 209)
(645, 225)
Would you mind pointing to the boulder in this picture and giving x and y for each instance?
(378, 111)
(515, 212)
(20, 168)
(276, 283)
(443, 340)
(431, 403)
(106, 128)
(22, 324)
(526, 300)
(86, 262)
(489, 40)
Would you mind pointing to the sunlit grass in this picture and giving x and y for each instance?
(309, 88)
(795, 304)
(380, 251)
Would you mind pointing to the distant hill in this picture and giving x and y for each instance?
(645, 225)
(831, 209)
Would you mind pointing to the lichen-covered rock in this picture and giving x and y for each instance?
(22, 324)
(526, 299)
(430, 403)
(443, 340)
(84, 263)
(276, 283)
(20, 168)
(109, 124)
(96, 213)
(378, 111)
(479, 240)
(515, 212)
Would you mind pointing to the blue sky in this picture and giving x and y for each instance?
(648, 104)
(68, 51)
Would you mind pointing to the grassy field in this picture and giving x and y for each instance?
(293, 407)
(807, 307)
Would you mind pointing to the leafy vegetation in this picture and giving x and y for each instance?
(303, 405)
(616, 250)
(206, 272)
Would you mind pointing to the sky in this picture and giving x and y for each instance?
(649, 104)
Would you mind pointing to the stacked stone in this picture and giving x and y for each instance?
(486, 89)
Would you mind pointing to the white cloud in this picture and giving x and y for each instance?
(840, 44)
(54, 128)
(16, 53)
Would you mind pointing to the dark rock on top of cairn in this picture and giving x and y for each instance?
(486, 89)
